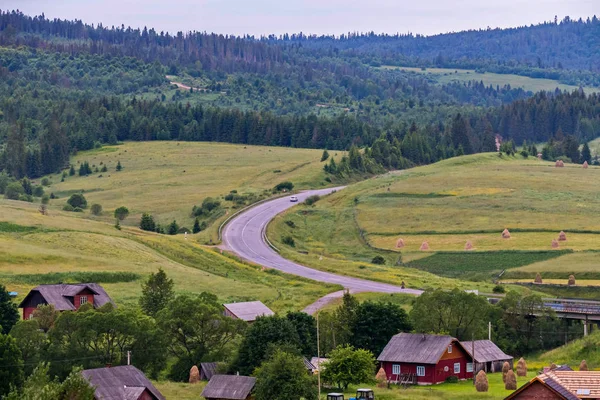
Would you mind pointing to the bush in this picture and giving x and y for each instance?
(77, 200)
(290, 223)
(68, 207)
(96, 209)
(379, 260)
(147, 223)
(288, 240)
(287, 185)
(173, 228)
(46, 181)
(121, 213)
(312, 200)
(38, 191)
(14, 191)
(452, 379)
(499, 289)
(78, 209)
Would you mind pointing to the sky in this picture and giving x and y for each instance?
(260, 17)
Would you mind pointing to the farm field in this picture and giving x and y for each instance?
(447, 75)
(167, 179)
(471, 198)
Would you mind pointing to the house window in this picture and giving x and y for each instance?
(82, 300)
(396, 369)
(31, 316)
(469, 367)
(450, 349)
(457, 368)
(420, 371)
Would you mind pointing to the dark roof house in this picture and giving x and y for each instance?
(488, 356)
(426, 359)
(247, 311)
(125, 382)
(561, 385)
(229, 387)
(207, 370)
(64, 297)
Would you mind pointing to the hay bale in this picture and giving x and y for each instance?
(511, 381)
(559, 164)
(539, 156)
(481, 382)
(562, 236)
(521, 367)
(505, 369)
(571, 280)
(583, 366)
(585, 165)
(424, 246)
(194, 375)
(553, 367)
(538, 278)
(505, 234)
(399, 243)
(469, 245)
(554, 244)
(381, 378)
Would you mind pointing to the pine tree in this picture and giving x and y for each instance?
(147, 223)
(173, 228)
(157, 291)
(325, 155)
(196, 227)
(586, 155)
(72, 170)
(119, 166)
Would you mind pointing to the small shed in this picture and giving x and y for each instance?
(318, 363)
(119, 383)
(312, 369)
(247, 311)
(488, 357)
(229, 387)
(207, 370)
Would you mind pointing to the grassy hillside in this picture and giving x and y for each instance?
(587, 348)
(168, 178)
(471, 198)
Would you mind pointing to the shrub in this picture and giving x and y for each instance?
(173, 228)
(38, 191)
(379, 260)
(96, 209)
(147, 223)
(583, 366)
(511, 380)
(521, 367)
(14, 191)
(104, 168)
(499, 289)
(119, 166)
(77, 200)
(481, 382)
(312, 200)
(121, 213)
(287, 185)
(452, 379)
(68, 207)
(505, 369)
(78, 209)
(46, 181)
(290, 223)
(288, 240)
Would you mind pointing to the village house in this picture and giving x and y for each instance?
(424, 359)
(119, 383)
(488, 357)
(247, 311)
(560, 385)
(229, 387)
(207, 370)
(64, 297)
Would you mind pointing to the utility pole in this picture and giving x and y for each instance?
(473, 357)
(128, 357)
(318, 359)
(490, 330)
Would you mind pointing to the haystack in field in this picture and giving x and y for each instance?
(505, 369)
(538, 278)
(424, 246)
(511, 381)
(539, 156)
(571, 280)
(194, 375)
(481, 382)
(521, 367)
(559, 164)
(469, 245)
(505, 234)
(400, 243)
(583, 366)
(381, 378)
(585, 165)
(562, 236)
(554, 244)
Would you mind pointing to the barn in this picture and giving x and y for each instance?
(123, 382)
(229, 387)
(488, 357)
(247, 311)
(207, 370)
(424, 359)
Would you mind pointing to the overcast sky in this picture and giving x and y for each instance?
(309, 16)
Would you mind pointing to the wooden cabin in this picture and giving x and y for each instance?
(488, 357)
(229, 387)
(560, 385)
(247, 311)
(123, 382)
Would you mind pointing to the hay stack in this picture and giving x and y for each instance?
(538, 278)
(424, 246)
(571, 280)
(553, 367)
(481, 382)
(539, 156)
(583, 366)
(521, 367)
(505, 234)
(554, 244)
(562, 236)
(469, 245)
(511, 381)
(194, 375)
(400, 243)
(559, 164)
(505, 369)
(585, 165)
(381, 379)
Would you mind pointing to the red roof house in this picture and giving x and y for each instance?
(425, 359)
(64, 297)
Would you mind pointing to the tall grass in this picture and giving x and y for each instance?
(71, 277)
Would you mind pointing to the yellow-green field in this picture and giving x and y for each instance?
(447, 75)
(168, 178)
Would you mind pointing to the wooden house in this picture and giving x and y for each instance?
(229, 387)
(424, 359)
(560, 385)
(64, 297)
(247, 311)
(119, 383)
(488, 357)
(207, 370)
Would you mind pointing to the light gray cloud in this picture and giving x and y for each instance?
(309, 16)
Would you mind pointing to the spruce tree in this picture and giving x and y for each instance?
(119, 166)
(72, 170)
(586, 154)
(325, 155)
(196, 227)
(157, 291)
(147, 223)
(173, 228)
(9, 314)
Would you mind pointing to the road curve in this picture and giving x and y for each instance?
(244, 236)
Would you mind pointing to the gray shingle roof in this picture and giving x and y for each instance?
(416, 348)
(120, 383)
(485, 351)
(248, 311)
(208, 369)
(230, 387)
(58, 295)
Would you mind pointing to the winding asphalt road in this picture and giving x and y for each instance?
(245, 236)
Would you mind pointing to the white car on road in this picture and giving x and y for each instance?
(293, 199)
